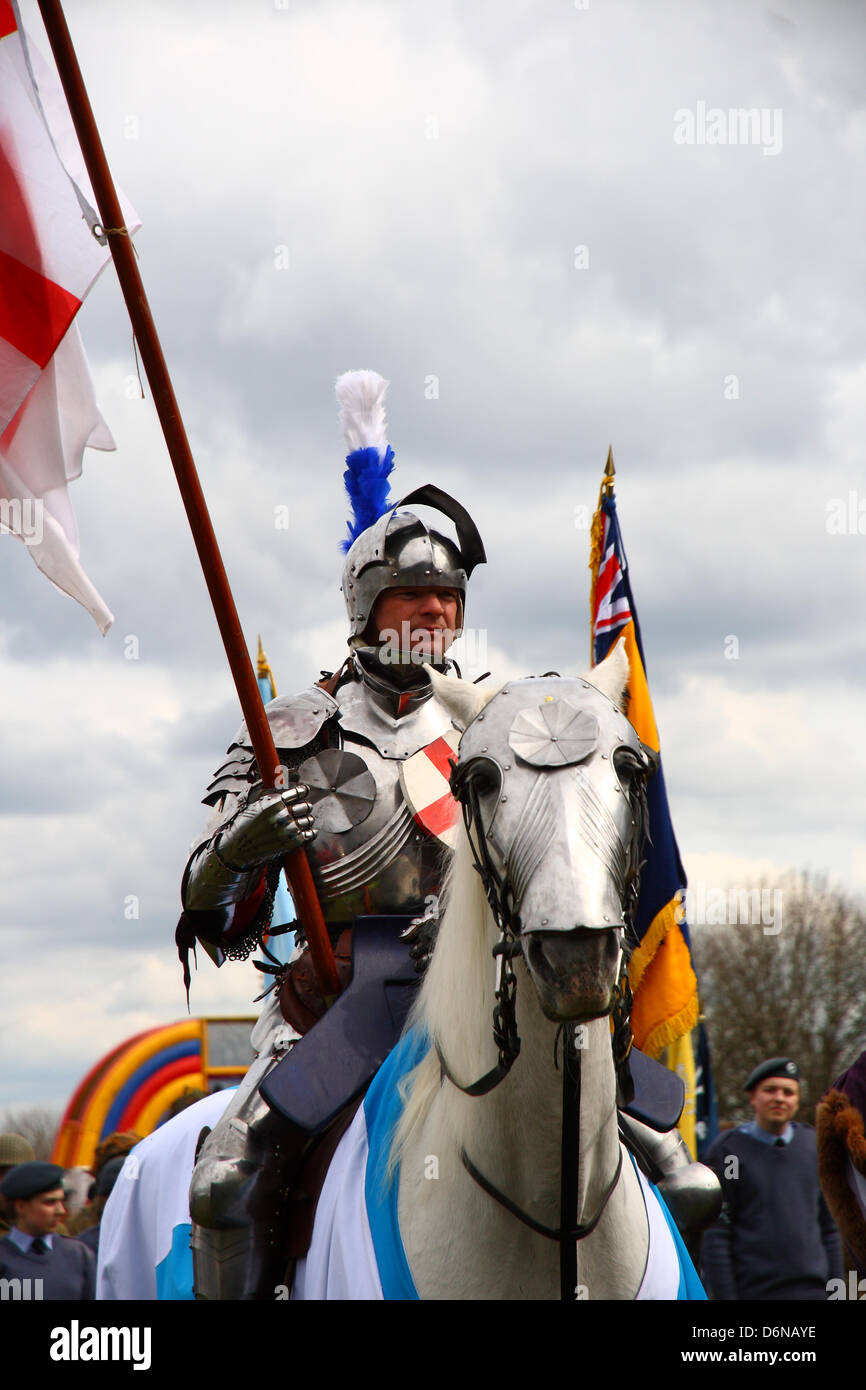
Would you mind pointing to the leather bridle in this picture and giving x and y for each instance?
(464, 784)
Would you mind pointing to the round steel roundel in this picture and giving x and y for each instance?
(342, 788)
(554, 734)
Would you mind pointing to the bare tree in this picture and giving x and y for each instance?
(792, 984)
(35, 1122)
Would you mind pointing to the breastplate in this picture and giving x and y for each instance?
(371, 853)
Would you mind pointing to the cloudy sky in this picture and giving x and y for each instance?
(541, 223)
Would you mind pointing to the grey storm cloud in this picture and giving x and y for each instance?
(486, 204)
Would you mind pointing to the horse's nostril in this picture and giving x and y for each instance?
(557, 955)
(553, 954)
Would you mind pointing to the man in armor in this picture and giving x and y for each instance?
(375, 844)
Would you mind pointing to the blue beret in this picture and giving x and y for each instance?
(776, 1066)
(29, 1179)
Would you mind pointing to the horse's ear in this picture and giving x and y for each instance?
(611, 675)
(462, 699)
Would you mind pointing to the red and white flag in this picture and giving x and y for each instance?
(49, 258)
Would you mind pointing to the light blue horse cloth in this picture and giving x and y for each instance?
(356, 1250)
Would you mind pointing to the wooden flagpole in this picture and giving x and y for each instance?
(296, 864)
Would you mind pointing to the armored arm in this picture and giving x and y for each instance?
(233, 870)
(250, 832)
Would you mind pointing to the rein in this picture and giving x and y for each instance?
(498, 893)
(565, 1234)
(551, 1232)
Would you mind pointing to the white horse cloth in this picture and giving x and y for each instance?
(356, 1251)
(144, 1241)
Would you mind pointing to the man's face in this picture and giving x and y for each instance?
(416, 624)
(39, 1216)
(775, 1103)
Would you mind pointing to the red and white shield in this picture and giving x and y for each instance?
(424, 779)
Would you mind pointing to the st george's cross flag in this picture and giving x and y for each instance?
(51, 251)
(660, 969)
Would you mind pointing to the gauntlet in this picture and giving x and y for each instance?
(268, 825)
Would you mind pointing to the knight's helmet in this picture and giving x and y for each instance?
(388, 548)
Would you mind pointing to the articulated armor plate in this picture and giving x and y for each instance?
(370, 855)
(691, 1190)
(295, 722)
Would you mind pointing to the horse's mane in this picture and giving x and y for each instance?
(455, 1004)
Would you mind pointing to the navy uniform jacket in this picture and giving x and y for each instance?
(67, 1270)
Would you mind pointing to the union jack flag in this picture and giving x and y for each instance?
(611, 600)
(660, 968)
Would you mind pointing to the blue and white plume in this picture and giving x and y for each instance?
(361, 401)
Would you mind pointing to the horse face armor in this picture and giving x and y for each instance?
(572, 794)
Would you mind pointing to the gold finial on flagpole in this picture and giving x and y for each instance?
(609, 472)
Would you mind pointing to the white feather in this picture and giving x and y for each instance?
(361, 401)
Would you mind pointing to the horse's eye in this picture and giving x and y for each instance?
(484, 776)
(628, 767)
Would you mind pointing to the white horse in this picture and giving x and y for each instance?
(436, 1193)
(521, 1189)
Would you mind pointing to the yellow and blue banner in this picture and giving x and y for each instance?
(662, 977)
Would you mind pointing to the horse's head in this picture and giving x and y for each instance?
(550, 774)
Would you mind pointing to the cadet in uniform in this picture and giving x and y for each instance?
(32, 1249)
(775, 1237)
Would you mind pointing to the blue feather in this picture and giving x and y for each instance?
(366, 479)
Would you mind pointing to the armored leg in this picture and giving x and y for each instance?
(691, 1190)
(240, 1186)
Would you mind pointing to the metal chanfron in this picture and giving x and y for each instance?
(570, 751)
